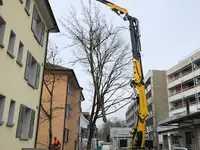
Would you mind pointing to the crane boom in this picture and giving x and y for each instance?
(137, 82)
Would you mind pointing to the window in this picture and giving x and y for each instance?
(2, 30)
(70, 90)
(66, 138)
(2, 103)
(79, 106)
(69, 111)
(11, 44)
(25, 123)
(77, 126)
(11, 113)
(27, 6)
(1, 3)
(20, 53)
(38, 26)
(32, 71)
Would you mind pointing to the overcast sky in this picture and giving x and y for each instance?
(170, 30)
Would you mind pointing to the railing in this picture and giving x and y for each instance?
(183, 106)
(183, 90)
(180, 76)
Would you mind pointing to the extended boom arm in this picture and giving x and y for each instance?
(137, 82)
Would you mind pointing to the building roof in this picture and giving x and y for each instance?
(184, 62)
(52, 67)
(45, 6)
(52, 15)
(49, 66)
(180, 119)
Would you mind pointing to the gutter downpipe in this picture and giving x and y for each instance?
(46, 47)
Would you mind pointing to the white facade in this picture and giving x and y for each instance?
(119, 135)
(183, 90)
(83, 122)
(184, 86)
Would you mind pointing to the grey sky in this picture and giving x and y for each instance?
(170, 30)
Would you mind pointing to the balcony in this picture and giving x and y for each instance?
(182, 110)
(184, 77)
(186, 92)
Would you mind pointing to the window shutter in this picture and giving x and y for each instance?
(66, 135)
(28, 65)
(70, 111)
(34, 20)
(37, 76)
(20, 121)
(67, 114)
(32, 123)
(42, 34)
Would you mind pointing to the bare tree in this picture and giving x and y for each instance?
(98, 45)
(51, 80)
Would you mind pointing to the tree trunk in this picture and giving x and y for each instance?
(91, 133)
(50, 121)
(50, 135)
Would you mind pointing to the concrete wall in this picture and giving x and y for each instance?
(13, 85)
(159, 101)
(160, 95)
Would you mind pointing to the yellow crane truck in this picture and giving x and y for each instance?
(138, 141)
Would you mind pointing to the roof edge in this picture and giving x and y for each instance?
(52, 15)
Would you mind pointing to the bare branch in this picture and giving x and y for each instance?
(100, 48)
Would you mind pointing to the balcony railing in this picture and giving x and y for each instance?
(184, 105)
(183, 90)
(180, 76)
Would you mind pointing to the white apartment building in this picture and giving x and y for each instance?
(24, 30)
(183, 83)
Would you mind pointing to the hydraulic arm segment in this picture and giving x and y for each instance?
(137, 82)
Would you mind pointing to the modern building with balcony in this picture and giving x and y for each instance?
(156, 96)
(183, 83)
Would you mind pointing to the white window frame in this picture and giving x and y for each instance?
(20, 53)
(27, 6)
(11, 113)
(25, 123)
(2, 31)
(32, 73)
(11, 44)
(2, 105)
(38, 28)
